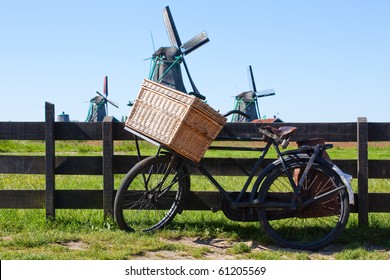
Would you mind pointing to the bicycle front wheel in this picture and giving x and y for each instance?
(321, 211)
(151, 194)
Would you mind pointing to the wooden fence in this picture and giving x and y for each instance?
(363, 169)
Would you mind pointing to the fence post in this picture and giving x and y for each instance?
(108, 173)
(362, 139)
(50, 160)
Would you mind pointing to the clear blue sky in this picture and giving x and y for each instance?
(328, 61)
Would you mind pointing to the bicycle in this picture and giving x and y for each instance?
(301, 199)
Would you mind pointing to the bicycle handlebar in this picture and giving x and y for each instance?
(200, 96)
(237, 112)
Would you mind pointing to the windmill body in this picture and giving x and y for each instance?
(98, 107)
(247, 101)
(167, 70)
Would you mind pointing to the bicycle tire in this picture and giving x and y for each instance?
(311, 227)
(140, 205)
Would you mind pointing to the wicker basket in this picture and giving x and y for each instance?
(178, 121)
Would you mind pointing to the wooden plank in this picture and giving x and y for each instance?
(78, 131)
(362, 134)
(92, 199)
(379, 169)
(229, 166)
(223, 166)
(121, 164)
(378, 131)
(204, 201)
(119, 132)
(65, 199)
(200, 200)
(79, 199)
(64, 165)
(79, 165)
(379, 202)
(216, 166)
(338, 132)
(22, 131)
(108, 174)
(238, 131)
(331, 132)
(348, 166)
(50, 160)
(22, 199)
(22, 164)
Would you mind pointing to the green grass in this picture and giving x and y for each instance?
(84, 234)
(78, 147)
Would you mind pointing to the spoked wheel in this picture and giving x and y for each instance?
(321, 210)
(151, 194)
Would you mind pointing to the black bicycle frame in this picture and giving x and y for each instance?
(253, 172)
(296, 187)
(239, 203)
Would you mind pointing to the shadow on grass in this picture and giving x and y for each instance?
(374, 237)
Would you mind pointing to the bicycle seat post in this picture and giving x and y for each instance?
(317, 150)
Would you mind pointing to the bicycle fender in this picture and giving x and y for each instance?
(346, 178)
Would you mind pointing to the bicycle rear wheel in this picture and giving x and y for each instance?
(321, 212)
(151, 194)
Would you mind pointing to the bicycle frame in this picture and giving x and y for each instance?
(239, 202)
(255, 167)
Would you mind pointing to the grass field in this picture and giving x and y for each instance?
(84, 234)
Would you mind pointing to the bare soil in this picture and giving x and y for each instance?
(220, 249)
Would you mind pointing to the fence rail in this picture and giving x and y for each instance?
(108, 131)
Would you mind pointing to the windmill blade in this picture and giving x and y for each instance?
(105, 86)
(104, 97)
(108, 100)
(191, 45)
(252, 83)
(113, 103)
(171, 28)
(196, 91)
(195, 42)
(265, 92)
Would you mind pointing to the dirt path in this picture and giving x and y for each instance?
(220, 249)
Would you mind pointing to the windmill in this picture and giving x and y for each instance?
(98, 107)
(166, 60)
(247, 101)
